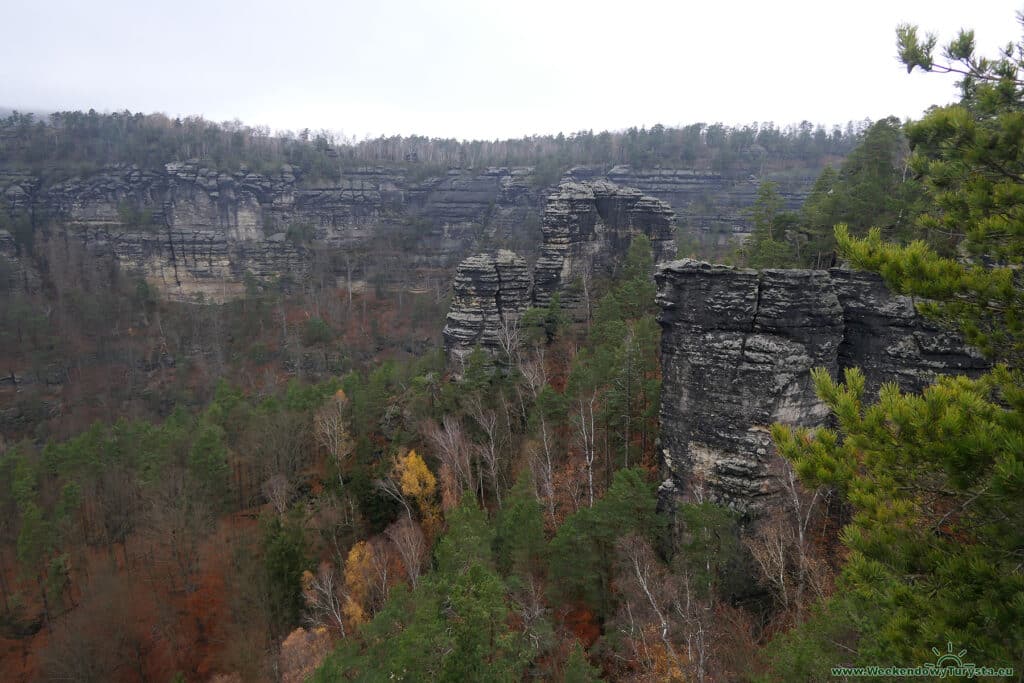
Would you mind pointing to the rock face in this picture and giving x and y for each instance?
(192, 229)
(491, 291)
(195, 230)
(737, 347)
(16, 274)
(587, 229)
(713, 208)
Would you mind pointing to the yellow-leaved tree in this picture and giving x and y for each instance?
(359, 579)
(418, 483)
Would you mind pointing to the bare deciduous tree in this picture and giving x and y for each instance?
(490, 450)
(393, 489)
(324, 597)
(332, 434)
(408, 540)
(650, 591)
(278, 491)
(176, 523)
(790, 565)
(584, 418)
(453, 449)
(542, 466)
(509, 338)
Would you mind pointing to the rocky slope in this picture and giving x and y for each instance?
(737, 347)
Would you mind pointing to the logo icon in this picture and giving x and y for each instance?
(949, 659)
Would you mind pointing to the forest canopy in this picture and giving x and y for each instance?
(91, 139)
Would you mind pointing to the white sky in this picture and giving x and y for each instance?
(482, 68)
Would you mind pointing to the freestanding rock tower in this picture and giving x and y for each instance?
(586, 230)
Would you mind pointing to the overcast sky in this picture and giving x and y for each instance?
(482, 68)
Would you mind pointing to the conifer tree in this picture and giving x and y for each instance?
(519, 536)
(971, 162)
(578, 669)
(936, 480)
(768, 246)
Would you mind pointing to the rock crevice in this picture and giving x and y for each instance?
(587, 228)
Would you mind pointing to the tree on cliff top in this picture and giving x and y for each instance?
(936, 480)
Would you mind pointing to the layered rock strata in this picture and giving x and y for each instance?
(587, 228)
(239, 222)
(193, 230)
(713, 207)
(736, 353)
(490, 292)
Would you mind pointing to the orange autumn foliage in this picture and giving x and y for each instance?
(359, 568)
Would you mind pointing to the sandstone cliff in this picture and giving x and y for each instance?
(587, 229)
(490, 292)
(737, 347)
(191, 229)
(712, 207)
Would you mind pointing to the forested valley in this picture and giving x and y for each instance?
(295, 484)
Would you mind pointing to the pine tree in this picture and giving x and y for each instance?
(578, 669)
(581, 553)
(873, 187)
(772, 243)
(208, 462)
(971, 163)
(469, 538)
(284, 560)
(936, 480)
(519, 534)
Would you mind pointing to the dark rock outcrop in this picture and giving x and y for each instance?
(491, 291)
(737, 347)
(587, 229)
(713, 207)
(228, 224)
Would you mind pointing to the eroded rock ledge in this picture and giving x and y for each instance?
(737, 348)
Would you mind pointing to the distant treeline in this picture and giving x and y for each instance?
(84, 140)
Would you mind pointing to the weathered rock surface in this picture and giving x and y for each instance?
(193, 229)
(491, 291)
(712, 207)
(16, 274)
(587, 229)
(737, 347)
